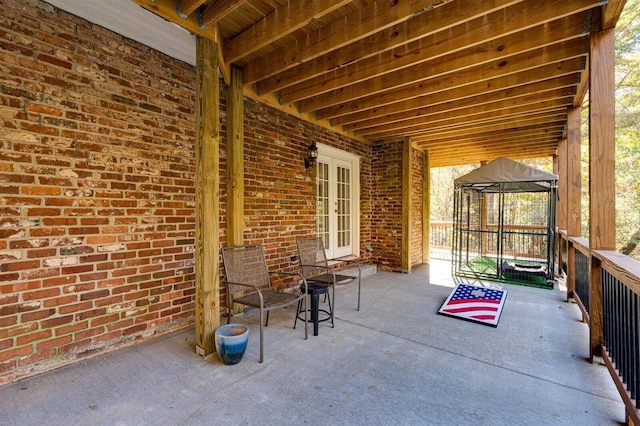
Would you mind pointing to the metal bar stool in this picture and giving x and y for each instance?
(315, 290)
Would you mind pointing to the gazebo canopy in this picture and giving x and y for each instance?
(506, 175)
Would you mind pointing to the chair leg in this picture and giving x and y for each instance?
(330, 310)
(262, 334)
(358, 294)
(295, 321)
(266, 323)
(306, 322)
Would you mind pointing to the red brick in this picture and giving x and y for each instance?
(32, 337)
(8, 320)
(57, 321)
(74, 347)
(15, 352)
(41, 294)
(36, 357)
(60, 301)
(68, 309)
(71, 328)
(54, 343)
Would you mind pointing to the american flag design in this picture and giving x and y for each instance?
(475, 303)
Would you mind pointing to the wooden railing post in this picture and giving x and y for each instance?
(573, 192)
(601, 171)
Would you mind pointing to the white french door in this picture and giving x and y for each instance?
(337, 201)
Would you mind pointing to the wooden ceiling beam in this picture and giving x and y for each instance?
(533, 138)
(496, 145)
(187, 7)
(167, 10)
(415, 79)
(491, 118)
(541, 119)
(455, 49)
(524, 133)
(490, 155)
(540, 125)
(219, 9)
(477, 116)
(611, 13)
(383, 26)
(493, 144)
(363, 23)
(286, 19)
(439, 102)
(467, 107)
(520, 132)
(531, 67)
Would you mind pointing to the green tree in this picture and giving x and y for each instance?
(628, 129)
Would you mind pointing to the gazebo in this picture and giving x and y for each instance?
(504, 223)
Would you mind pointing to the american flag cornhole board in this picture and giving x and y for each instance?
(473, 303)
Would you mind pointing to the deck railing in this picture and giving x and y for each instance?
(606, 287)
(517, 240)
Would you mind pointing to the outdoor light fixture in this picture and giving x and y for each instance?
(312, 155)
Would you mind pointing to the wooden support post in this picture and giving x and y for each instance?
(573, 191)
(426, 208)
(601, 171)
(574, 173)
(406, 205)
(561, 207)
(235, 164)
(235, 159)
(207, 195)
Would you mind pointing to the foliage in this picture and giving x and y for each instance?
(628, 126)
(627, 144)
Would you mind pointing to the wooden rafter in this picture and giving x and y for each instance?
(474, 43)
(288, 18)
(443, 72)
(217, 10)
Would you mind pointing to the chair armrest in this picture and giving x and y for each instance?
(245, 285)
(323, 267)
(292, 274)
(349, 260)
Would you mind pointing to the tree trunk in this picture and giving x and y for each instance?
(628, 248)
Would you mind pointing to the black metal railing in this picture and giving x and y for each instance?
(621, 329)
(517, 240)
(582, 270)
(441, 235)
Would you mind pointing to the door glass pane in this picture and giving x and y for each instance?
(323, 202)
(343, 202)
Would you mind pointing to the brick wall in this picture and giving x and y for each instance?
(416, 208)
(279, 192)
(386, 222)
(97, 188)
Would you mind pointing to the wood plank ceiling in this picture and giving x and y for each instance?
(469, 80)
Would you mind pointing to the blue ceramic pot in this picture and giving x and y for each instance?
(231, 342)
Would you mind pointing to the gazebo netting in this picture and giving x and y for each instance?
(504, 224)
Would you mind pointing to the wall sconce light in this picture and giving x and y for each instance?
(312, 155)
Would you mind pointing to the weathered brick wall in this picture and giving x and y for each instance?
(386, 219)
(416, 208)
(97, 188)
(279, 192)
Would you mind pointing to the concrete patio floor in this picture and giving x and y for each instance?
(396, 361)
